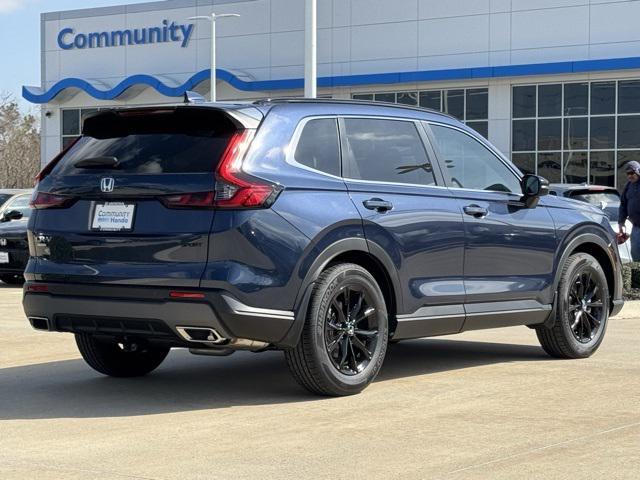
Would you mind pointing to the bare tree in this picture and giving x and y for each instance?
(19, 145)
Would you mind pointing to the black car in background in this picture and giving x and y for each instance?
(14, 248)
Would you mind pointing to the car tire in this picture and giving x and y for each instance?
(110, 358)
(345, 335)
(582, 310)
(12, 279)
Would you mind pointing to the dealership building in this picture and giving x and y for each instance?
(554, 84)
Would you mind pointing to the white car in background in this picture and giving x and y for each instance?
(606, 198)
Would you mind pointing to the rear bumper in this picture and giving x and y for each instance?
(151, 313)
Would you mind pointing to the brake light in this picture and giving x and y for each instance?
(41, 201)
(236, 189)
(49, 166)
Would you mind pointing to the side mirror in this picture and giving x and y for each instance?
(533, 187)
(11, 215)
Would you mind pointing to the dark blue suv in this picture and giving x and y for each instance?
(324, 229)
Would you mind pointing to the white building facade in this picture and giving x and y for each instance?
(554, 84)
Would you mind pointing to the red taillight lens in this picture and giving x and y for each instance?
(187, 295)
(190, 200)
(41, 200)
(234, 188)
(37, 288)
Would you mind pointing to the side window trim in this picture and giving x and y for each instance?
(426, 144)
(447, 177)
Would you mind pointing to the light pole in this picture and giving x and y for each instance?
(310, 50)
(212, 18)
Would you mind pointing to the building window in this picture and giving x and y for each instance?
(72, 120)
(576, 132)
(470, 105)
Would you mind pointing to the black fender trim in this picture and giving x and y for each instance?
(319, 264)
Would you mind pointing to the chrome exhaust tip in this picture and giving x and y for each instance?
(40, 323)
(201, 335)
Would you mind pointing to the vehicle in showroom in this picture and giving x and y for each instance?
(14, 247)
(603, 197)
(320, 228)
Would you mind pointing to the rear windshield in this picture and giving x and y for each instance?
(183, 140)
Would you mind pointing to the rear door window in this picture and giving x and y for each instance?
(470, 164)
(318, 146)
(186, 140)
(385, 150)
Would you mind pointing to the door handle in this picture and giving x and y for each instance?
(378, 205)
(476, 211)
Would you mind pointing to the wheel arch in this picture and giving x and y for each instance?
(350, 250)
(595, 245)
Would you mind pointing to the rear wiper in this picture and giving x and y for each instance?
(97, 162)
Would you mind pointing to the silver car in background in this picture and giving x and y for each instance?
(606, 198)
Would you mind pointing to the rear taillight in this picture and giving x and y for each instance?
(41, 200)
(234, 188)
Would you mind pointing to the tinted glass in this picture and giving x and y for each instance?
(603, 98)
(629, 132)
(318, 147)
(575, 167)
(430, 100)
(4, 197)
(629, 96)
(408, 98)
(71, 122)
(575, 133)
(477, 104)
(526, 162)
(550, 100)
(365, 96)
(549, 134)
(603, 132)
(386, 151)
(470, 164)
(385, 97)
(524, 135)
(601, 168)
(549, 166)
(576, 99)
(481, 127)
(19, 203)
(170, 141)
(524, 101)
(454, 103)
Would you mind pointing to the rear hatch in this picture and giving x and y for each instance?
(132, 201)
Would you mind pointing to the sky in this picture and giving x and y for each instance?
(20, 39)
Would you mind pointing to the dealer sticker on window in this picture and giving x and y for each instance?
(113, 217)
(4, 257)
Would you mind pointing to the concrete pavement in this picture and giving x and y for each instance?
(481, 405)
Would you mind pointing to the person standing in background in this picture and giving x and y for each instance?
(630, 207)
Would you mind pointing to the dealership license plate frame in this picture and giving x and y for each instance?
(118, 206)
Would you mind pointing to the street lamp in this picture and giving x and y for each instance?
(212, 18)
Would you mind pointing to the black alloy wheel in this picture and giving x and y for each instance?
(586, 305)
(352, 330)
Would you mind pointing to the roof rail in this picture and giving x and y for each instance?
(266, 101)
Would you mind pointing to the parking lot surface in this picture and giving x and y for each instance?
(486, 404)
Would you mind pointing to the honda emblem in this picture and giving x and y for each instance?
(106, 184)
